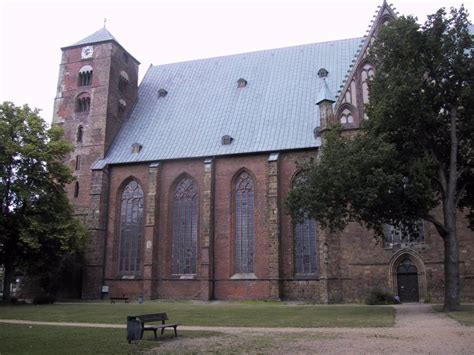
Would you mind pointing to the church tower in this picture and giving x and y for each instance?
(97, 87)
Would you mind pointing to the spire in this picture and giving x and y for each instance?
(102, 35)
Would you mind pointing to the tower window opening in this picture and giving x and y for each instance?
(80, 133)
(122, 106)
(85, 76)
(83, 104)
(123, 81)
(76, 189)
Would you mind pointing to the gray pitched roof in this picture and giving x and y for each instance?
(276, 110)
(101, 35)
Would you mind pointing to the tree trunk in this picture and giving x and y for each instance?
(452, 291)
(7, 280)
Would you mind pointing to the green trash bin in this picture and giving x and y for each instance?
(134, 329)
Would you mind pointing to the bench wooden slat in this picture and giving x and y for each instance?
(156, 317)
(123, 298)
(153, 317)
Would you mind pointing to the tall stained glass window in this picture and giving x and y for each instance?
(185, 227)
(244, 224)
(306, 243)
(131, 229)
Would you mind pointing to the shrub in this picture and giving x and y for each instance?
(44, 299)
(377, 297)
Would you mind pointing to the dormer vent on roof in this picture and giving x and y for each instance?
(226, 140)
(241, 83)
(136, 148)
(162, 93)
(323, 73)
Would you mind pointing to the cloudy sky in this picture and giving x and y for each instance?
(163, 31)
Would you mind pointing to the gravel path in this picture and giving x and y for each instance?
(418, 330)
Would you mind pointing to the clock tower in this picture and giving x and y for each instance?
(97, 86)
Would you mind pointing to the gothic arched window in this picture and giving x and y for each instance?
(404, 234)
(244, 224)
(131, 229)
(185, 227)
(366, 74)
(305, 247)
(306, 244)
(346, 116)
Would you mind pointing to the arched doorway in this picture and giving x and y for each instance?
(407, 281)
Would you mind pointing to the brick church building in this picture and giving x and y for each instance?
(182, 179)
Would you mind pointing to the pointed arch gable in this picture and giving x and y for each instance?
(416, 259)
(185, 225)
(351, 85)
(131, 227)
(343, 113)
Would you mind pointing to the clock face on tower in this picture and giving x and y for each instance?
(87, 52)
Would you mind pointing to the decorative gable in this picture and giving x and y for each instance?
(354, 93)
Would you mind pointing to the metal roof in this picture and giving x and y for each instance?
(275, 111)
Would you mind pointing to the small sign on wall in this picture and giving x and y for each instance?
(105, 289)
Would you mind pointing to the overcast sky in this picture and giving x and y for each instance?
(164, 31)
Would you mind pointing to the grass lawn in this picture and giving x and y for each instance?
(464, 316)
(244, 314)
(24, 339)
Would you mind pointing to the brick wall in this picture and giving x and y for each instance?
(351, 263)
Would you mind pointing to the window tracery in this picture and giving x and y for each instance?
(131, 229)
(402, 235)
(244, 224)
(306, 243)
(185, 228)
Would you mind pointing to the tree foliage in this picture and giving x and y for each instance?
(415, 152)
(37, 227)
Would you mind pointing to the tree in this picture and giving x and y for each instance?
(37, 227)
(414, 156)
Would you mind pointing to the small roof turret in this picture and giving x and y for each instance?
(325, 93)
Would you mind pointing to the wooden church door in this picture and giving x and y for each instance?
(407, 278)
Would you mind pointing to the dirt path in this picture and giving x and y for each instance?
(418, 330)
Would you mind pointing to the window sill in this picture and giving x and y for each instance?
(306, 277)
(183, 276)
(415, 245)
(248, 276)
